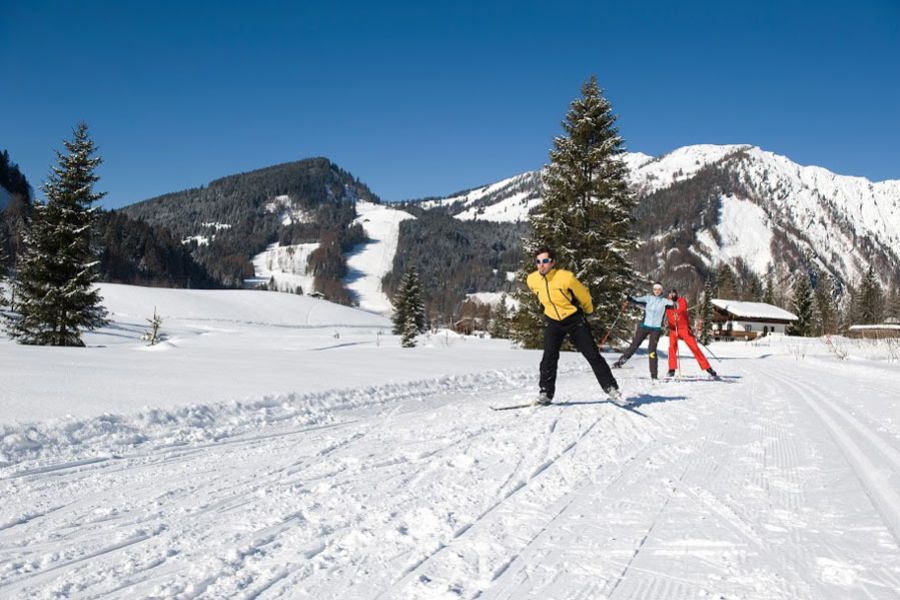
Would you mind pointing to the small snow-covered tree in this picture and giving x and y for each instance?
(409, 308)
(501, 322)
(152, 335)
(803, 306)
(585, 216)
(54, 293)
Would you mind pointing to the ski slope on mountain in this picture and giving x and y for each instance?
(372, 471)
(370, 262)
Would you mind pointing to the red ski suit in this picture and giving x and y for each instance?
(680, 328)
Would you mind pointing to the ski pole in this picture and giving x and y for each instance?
(613, 326)
(711, 353)
(677, 362)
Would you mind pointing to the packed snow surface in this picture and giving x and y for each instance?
(282, 447)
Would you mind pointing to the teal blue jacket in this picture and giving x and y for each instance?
(654, 309)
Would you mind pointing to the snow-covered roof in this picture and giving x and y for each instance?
(891, 326)
(754, 310)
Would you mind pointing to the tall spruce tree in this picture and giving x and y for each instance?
(803, 306)
(726, 283)
(55, 298)
(585, 215)
(871, 299)
(409, 308)
(706, 312)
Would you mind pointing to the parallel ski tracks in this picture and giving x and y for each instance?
(868, 458)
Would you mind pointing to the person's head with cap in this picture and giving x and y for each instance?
(657, 288)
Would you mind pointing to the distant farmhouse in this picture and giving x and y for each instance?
(734, 320)
(889, 329)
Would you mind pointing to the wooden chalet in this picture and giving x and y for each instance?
(738, 320)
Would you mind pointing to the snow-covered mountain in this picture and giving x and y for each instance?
(771, 211)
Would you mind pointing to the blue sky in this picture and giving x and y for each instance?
(423, 98)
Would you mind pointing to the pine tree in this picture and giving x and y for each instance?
(726, 283)
(706, 313)
(871, 299)
(849, 314)
(409, 308)
(753, 290)
(769, 291)
(826, 318)
(585, 215)
(892, 308)
(54, 293)
(3, 272)
(501, 322)
(409, 331)
(803, 306)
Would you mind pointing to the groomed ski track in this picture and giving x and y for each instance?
(781, 485)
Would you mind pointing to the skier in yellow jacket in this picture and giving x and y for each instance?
(566, 302)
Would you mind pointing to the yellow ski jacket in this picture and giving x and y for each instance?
(560, 293)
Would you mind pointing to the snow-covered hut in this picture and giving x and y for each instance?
(879, 331)
(734, 319)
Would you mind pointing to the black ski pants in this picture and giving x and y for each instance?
(576, 327)
(640, 334)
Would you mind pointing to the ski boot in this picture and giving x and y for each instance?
(616, 396)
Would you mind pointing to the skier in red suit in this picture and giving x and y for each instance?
(680, 328)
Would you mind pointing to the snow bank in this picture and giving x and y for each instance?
(110, 435)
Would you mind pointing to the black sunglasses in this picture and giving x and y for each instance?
(544, 261)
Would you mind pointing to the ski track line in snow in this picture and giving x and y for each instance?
(245, 516)
(409, 574)
(880, 490)
(570, 503)
(232, 500)
(555, 511)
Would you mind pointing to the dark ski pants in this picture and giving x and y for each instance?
(640, 334)
(576, 327)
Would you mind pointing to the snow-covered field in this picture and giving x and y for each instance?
(278, 446)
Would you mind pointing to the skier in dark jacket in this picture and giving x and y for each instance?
(654, 311)
(565, 301)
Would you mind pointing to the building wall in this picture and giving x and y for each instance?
(757, 327)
